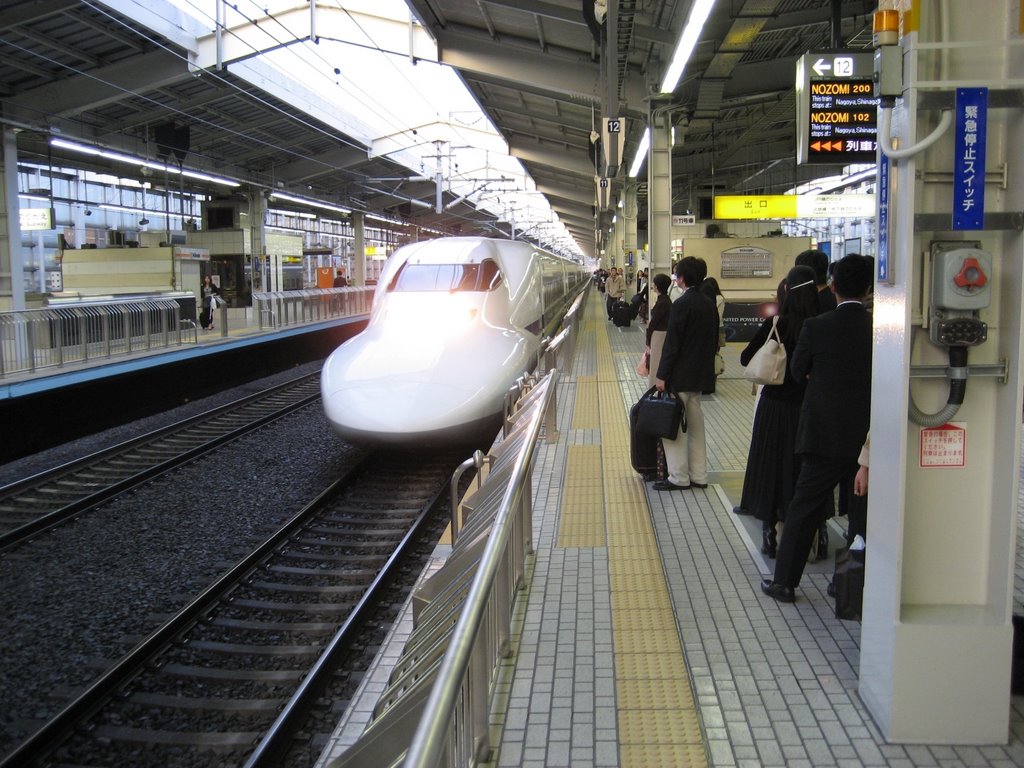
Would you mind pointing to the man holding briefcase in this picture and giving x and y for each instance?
(687, 368)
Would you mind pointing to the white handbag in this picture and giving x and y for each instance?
(768, 365)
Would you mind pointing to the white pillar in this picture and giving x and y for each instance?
(359, 246)
(659, 192)
(936, 633)
(12, 262)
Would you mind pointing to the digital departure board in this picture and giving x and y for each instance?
(837, 112)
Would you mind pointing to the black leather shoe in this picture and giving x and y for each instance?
(698, 485)
(831, 589)
(740, 511)
(666, 485)
(777, 591)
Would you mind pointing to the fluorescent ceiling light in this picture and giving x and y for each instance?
(128, 209)
(298, 214)
(699, 13)
(37, 198)
(121, 158)
(307, 201)
(641, 153)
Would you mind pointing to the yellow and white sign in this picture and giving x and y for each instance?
(794, 206)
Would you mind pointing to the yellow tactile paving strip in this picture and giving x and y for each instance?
(657, 719)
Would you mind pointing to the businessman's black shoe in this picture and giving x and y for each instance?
(698, 485)
(668, 485)
(777, 591)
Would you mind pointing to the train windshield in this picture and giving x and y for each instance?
(484, 276)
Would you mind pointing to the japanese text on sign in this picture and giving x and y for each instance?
(969, 158)
(944, 446)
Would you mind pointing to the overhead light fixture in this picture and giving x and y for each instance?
(129, 209)
(143, 221)
(143, 163)
(699, 13)
(641, 153)
(307, 201)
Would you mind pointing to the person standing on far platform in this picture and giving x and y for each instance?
(834, 354)
(687, 368)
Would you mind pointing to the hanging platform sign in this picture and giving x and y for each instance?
(971, 121)
(836, 109)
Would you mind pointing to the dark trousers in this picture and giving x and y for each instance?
(811, 506)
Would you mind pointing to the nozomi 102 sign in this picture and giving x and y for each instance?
(836, 109)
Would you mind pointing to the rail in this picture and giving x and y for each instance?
(83, 331)
(277, 309)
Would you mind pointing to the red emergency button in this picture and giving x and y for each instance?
(970, 275)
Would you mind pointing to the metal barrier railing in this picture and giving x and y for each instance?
(276, 309)
(33, 339)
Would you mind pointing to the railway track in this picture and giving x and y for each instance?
(230, 678)
(38, 503)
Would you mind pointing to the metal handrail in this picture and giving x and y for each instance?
(76, 332)
(435, 725)
(276, 309)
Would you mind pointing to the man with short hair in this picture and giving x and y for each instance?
(818, 261)
(614, 288)
(687, 367)
(834, 354)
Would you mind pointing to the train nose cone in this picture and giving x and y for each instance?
(405, 407)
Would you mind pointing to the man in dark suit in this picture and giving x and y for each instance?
(834, 354)
(687, 368)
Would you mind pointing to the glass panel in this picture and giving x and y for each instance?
(446, 277)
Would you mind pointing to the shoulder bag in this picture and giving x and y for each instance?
(660, 414)
(768, 365)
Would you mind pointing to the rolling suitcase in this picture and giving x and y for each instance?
(622, 314)
(643, 449)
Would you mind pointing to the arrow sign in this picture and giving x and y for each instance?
(820, 67)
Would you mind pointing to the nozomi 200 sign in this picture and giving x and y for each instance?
(836, 109)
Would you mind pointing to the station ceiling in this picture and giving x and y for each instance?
(110, 73)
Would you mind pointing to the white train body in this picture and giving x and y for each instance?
(454, 323)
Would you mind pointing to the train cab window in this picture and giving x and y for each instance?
(446, 277)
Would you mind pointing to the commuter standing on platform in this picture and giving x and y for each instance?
(818, 261)
(211, 297)
(614, 289)
(834, 354)
(687, 368)
(657, 328)
(772, 464)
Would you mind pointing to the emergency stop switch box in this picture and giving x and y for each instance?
(961, 279)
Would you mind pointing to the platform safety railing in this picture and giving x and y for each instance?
(435, 709)
(56, 336)
(277, 309)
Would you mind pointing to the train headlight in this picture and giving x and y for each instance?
(448, 318)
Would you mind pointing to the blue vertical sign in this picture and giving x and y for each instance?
(882, 256)
(969, 158)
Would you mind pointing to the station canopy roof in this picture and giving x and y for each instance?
(461, 116)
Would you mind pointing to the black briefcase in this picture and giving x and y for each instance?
(660, 414)
(848, 581)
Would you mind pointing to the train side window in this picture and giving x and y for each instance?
(490, 275)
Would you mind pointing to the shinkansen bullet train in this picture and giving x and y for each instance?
(455, 322)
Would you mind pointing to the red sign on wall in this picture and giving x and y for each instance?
(944, 446)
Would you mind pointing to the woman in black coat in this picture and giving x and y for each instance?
(772, 464)
(657, 327)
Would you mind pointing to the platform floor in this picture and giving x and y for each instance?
(645, 640)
